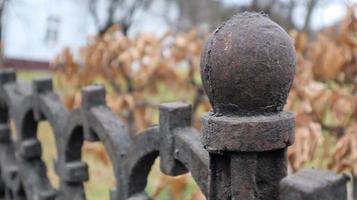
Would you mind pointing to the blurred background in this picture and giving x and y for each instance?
(147, 51)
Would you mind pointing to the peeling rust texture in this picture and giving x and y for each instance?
(247, 134)
(313, 184)
(247, 69)
(248, 65)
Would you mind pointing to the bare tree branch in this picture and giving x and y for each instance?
(2, 8)
(128, 11)
(310, 8)
(291, 7)
(93, 12)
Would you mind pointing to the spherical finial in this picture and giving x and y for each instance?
(248, 65)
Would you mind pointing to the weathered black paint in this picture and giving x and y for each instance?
(248, 65)
(247, 69)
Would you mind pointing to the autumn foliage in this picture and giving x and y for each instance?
(140, 73)
(323, 98)
(144, 71)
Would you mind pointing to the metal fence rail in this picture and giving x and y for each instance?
(247, 69)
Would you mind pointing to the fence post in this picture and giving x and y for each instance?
(247, 69)
(311, 184)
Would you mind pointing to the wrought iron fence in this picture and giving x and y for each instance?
(247, 69)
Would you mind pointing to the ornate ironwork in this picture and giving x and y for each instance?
(247, 69)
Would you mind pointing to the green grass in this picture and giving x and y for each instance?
(30, 75)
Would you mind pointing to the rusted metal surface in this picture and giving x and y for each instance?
(247, 69)
(253, 133)
(313, 184)
(248, 65)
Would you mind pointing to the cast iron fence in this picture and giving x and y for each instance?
(247, 69)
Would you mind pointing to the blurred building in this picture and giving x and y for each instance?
(35, 30)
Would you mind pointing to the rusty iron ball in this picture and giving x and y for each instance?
(248, 65)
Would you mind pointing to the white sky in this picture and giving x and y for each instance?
(25, 31)
(327, 13)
